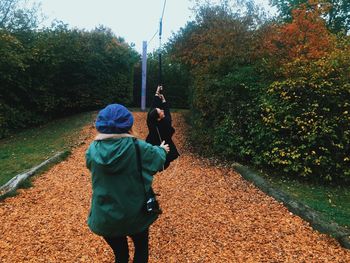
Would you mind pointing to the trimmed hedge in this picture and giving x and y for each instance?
(275, 96)
(297, 126)
(307, 120)
(58, 72)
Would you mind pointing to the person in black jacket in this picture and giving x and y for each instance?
(160, 127)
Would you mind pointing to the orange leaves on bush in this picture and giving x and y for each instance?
(305, 38)
(216, 37)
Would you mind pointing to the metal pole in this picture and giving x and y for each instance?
(159, 54)
(144, 74)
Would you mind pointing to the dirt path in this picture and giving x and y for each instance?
(209, 215)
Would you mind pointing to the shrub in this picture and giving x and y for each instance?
(307, 119)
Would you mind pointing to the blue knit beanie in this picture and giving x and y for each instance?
(115, 118)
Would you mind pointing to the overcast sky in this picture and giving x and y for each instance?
(134, 20)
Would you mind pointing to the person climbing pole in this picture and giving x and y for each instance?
(159, 125)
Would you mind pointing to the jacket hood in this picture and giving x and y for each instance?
(109, 152)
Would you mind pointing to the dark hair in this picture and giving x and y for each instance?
(152, 118)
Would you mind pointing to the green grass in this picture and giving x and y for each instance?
(333, 202)
(22, 151)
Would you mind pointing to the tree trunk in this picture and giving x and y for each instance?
(13, 184)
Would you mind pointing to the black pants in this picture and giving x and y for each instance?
(121, 249)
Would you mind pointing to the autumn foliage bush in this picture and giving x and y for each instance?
(224, 79)
(305, 111)
(306, 118)
(281, 105)
(305, 38)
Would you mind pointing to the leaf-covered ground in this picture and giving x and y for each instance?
(210, 214)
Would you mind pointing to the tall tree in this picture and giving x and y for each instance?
(16, 16)
(336, 12)
(306, 37)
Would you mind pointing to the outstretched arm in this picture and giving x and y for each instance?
(153, 157)
(157, 100)
(164, 105)
(160, 102)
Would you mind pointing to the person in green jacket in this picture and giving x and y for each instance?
(118, 205)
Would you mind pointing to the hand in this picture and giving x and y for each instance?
(159, 89)
(165, 146)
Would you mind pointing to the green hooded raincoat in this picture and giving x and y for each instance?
(118, 198)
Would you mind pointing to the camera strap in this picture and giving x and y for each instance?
(160, 140)
(139, 164)
(159, 137)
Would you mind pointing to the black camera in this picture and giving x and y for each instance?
(152, 206)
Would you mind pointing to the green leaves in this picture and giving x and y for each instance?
(336, 12)
(305, 120)
(60, 71)
(274, 95)
(15, 17)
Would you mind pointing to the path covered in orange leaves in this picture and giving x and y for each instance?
(210, 214)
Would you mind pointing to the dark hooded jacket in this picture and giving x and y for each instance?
(165, 129)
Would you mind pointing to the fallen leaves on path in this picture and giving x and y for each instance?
(210, 214)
